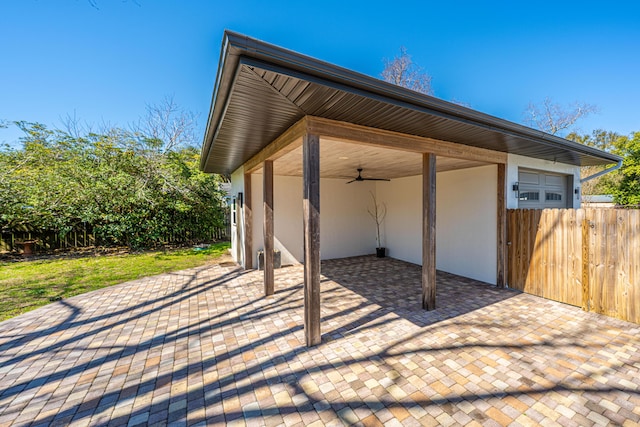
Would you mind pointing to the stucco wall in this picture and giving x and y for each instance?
(466, 222)
(466, 203)
(237, 247)
(287, 217)
(345, 227)
(514, 162)
(402, 228)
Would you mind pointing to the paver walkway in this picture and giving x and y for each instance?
(202, 346)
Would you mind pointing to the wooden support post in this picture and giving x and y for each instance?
(311, 214)
(428, 231)
(501, 238)
(248, 224)
(267, 171)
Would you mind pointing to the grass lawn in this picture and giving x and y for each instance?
(32, 284)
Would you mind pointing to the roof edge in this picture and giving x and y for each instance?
(235, 45)
(221, 89)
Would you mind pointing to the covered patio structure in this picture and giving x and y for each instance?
(309, 124)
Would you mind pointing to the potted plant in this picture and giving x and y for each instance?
(378, 212)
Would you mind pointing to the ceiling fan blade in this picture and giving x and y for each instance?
(349, 182)
(376, 179)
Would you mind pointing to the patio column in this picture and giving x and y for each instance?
(267, 171)
(248, 224)
(501, 238)
(429, 231)
(311, 220)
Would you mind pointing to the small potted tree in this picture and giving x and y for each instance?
(378, 212)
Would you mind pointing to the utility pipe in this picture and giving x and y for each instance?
(602, 172)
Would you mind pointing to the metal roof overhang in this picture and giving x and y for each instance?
(261, 90)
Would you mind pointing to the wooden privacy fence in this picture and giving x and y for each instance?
(46, 240)
(584, 257)
(83, 237)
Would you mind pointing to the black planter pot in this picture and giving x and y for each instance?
(381, 252)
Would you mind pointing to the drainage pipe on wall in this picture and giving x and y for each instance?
(602, 172)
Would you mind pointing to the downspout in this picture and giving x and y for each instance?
(602, 172)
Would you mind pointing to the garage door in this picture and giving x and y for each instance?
(539, 190)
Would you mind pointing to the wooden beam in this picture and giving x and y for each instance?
(267, 175)
(248, 224)
(285, 143)
(429, 231)
(349, 132)
(501, 239)
(311, 219)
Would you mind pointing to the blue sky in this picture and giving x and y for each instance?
(103, 64)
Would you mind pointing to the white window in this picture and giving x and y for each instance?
(539, 189)
(551, 196)
(529, 195)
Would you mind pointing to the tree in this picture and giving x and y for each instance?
(554, 118)
(125, 184)
(94, 3)
(603, 140)
(461, 103)
(168, 124)
(626, 191)
(623, 184)
(403, 72)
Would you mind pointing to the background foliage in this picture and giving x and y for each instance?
(626, 189)
(131, 186)
(624, 183)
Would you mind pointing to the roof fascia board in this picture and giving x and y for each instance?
(225, 77)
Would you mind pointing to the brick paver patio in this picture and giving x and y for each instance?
(202, 346)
